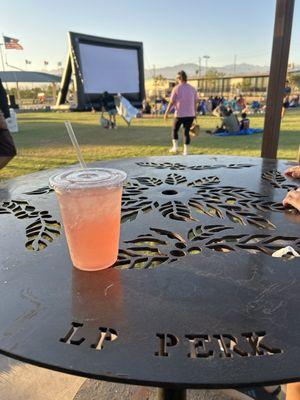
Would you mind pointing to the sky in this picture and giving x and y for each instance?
(173, 32)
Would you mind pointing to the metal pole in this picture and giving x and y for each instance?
(155, 82)
(199, 67)
(171, 394)
(2, 59)
(3, 65)
(234, 64)
(206, 74)
(206, 61)
(199, 71)
(278, 70)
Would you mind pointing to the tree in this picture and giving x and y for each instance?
(159, 80)
(211, 76)
(212, 73)
(294, 79)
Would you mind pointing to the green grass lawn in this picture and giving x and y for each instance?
(43, 142)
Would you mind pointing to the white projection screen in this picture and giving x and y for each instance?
(110, 69)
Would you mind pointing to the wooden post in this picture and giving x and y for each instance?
(278, 70)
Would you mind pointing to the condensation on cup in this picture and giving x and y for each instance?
(90, 204)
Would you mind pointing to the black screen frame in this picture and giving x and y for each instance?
(93, 100)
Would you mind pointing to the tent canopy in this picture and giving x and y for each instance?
(28, 77)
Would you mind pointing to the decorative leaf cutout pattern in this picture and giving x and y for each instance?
(210, 180)
(42, 190)
(181, 167)
(39, 233)
(20, 209)
(134, 203)
(253, 243)
(162, 246)
(133, 189)
(170, 235)
(277, 180)
(132, 208)
(175, 179)
(146, 180)
(204, 232)
(176, 210)
(166, 165)
(148, 251)
(42, 232)
(237, 204)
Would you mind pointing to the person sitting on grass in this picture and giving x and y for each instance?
(255, 106)
(286, 98)
(245, 122)
(241, 103)
(229, 121)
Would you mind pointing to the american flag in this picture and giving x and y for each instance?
(11, 43)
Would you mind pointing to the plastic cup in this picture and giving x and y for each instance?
(90, 204)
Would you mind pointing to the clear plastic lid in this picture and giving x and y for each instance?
(87, 178)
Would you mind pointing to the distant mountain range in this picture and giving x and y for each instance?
(190, 69)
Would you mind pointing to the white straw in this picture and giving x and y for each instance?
(75, 143)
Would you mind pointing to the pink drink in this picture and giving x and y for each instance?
(90, 204)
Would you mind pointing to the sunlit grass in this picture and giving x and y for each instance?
(43, 142)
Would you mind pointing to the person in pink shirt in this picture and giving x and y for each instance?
(184, 99)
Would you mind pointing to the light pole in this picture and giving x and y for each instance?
(206, 61)
(206, 57)
(2, 60)
(234, 64)
(155, 81)
(199, 71)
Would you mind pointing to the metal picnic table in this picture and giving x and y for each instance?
(195, 300)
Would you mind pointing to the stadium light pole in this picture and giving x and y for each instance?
(206, 62)
(199, 71)
(206, 57)
(278, 70)
(234, 64)
(155, 81)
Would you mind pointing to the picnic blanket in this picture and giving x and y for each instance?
(249, 131)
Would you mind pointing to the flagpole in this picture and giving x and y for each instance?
(2, 44)
(12, 66)
(2, 60)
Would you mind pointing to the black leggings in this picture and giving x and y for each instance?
(187, 123)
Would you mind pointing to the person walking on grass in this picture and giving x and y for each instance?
(7, 147)
(108, 105)
(184, 99)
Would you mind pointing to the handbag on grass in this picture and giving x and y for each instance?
(104, 122)
(195, 129)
